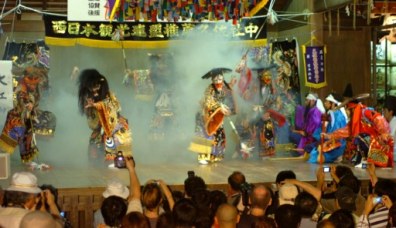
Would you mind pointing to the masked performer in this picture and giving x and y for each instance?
(371, 134)
(217, 103)
(26, 119)
(109, 128)
(331, 150)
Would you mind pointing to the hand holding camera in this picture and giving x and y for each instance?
(122, 162)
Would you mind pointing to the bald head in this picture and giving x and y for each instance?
(38, 219)
(227, 215)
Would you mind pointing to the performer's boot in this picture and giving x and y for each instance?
(203, 159)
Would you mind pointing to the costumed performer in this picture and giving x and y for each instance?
(110, 130)
(26, 120)
(371, 134)
(307, 121)
(217, 103)
(331, 150)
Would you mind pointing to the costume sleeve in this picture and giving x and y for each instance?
(313, 122)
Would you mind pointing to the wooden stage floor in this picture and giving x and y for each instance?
(96, 173)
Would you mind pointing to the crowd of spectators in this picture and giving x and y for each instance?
(288, 202)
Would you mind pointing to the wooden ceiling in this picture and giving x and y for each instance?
(26, 20)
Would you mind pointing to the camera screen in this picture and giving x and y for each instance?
(326, 169)
(120, 158)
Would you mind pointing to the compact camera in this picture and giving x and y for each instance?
(326, 169)
(377, 200)
(119, 161)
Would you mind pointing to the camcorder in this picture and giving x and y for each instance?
(246, 189)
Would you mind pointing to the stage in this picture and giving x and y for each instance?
(96, 173)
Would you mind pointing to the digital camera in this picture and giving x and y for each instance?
(377, 200)
(119, 161)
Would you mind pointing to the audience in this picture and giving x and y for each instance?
(152, 199)
(260, 199)
(234, 195)
(297, 203)
(227, 216)
(113, 188)
(307, 205)
(287, 216)
(19, 199)
(343, 218)
(39, 219)
(135, 219)
(184, 213)
(113, 209)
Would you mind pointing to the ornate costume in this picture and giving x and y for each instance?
(307, 121)
(26, 119)
(332, 149)
(110, 130)
(371, 134)
(217, 103)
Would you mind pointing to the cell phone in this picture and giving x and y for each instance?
(62, 214)
(377, 200)
(364, 165)
(326, 169)
(190, 173)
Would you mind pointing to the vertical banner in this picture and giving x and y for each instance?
(6, 90)
(314, 63)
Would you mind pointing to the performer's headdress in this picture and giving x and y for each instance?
(318, 104)
(311, 96)
(331, 98)
(213, 73)
(348, 93)
(216, 71)
(87, 80)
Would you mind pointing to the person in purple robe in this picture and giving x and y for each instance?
(308, 120)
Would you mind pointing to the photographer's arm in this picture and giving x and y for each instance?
(134, 184)
(168, 194)
(53, 208)
(372, 174)
(306, 187)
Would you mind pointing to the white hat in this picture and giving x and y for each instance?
(311, 96)
(332, 99)
(24, 182)
(116, 188)
(287, 194)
